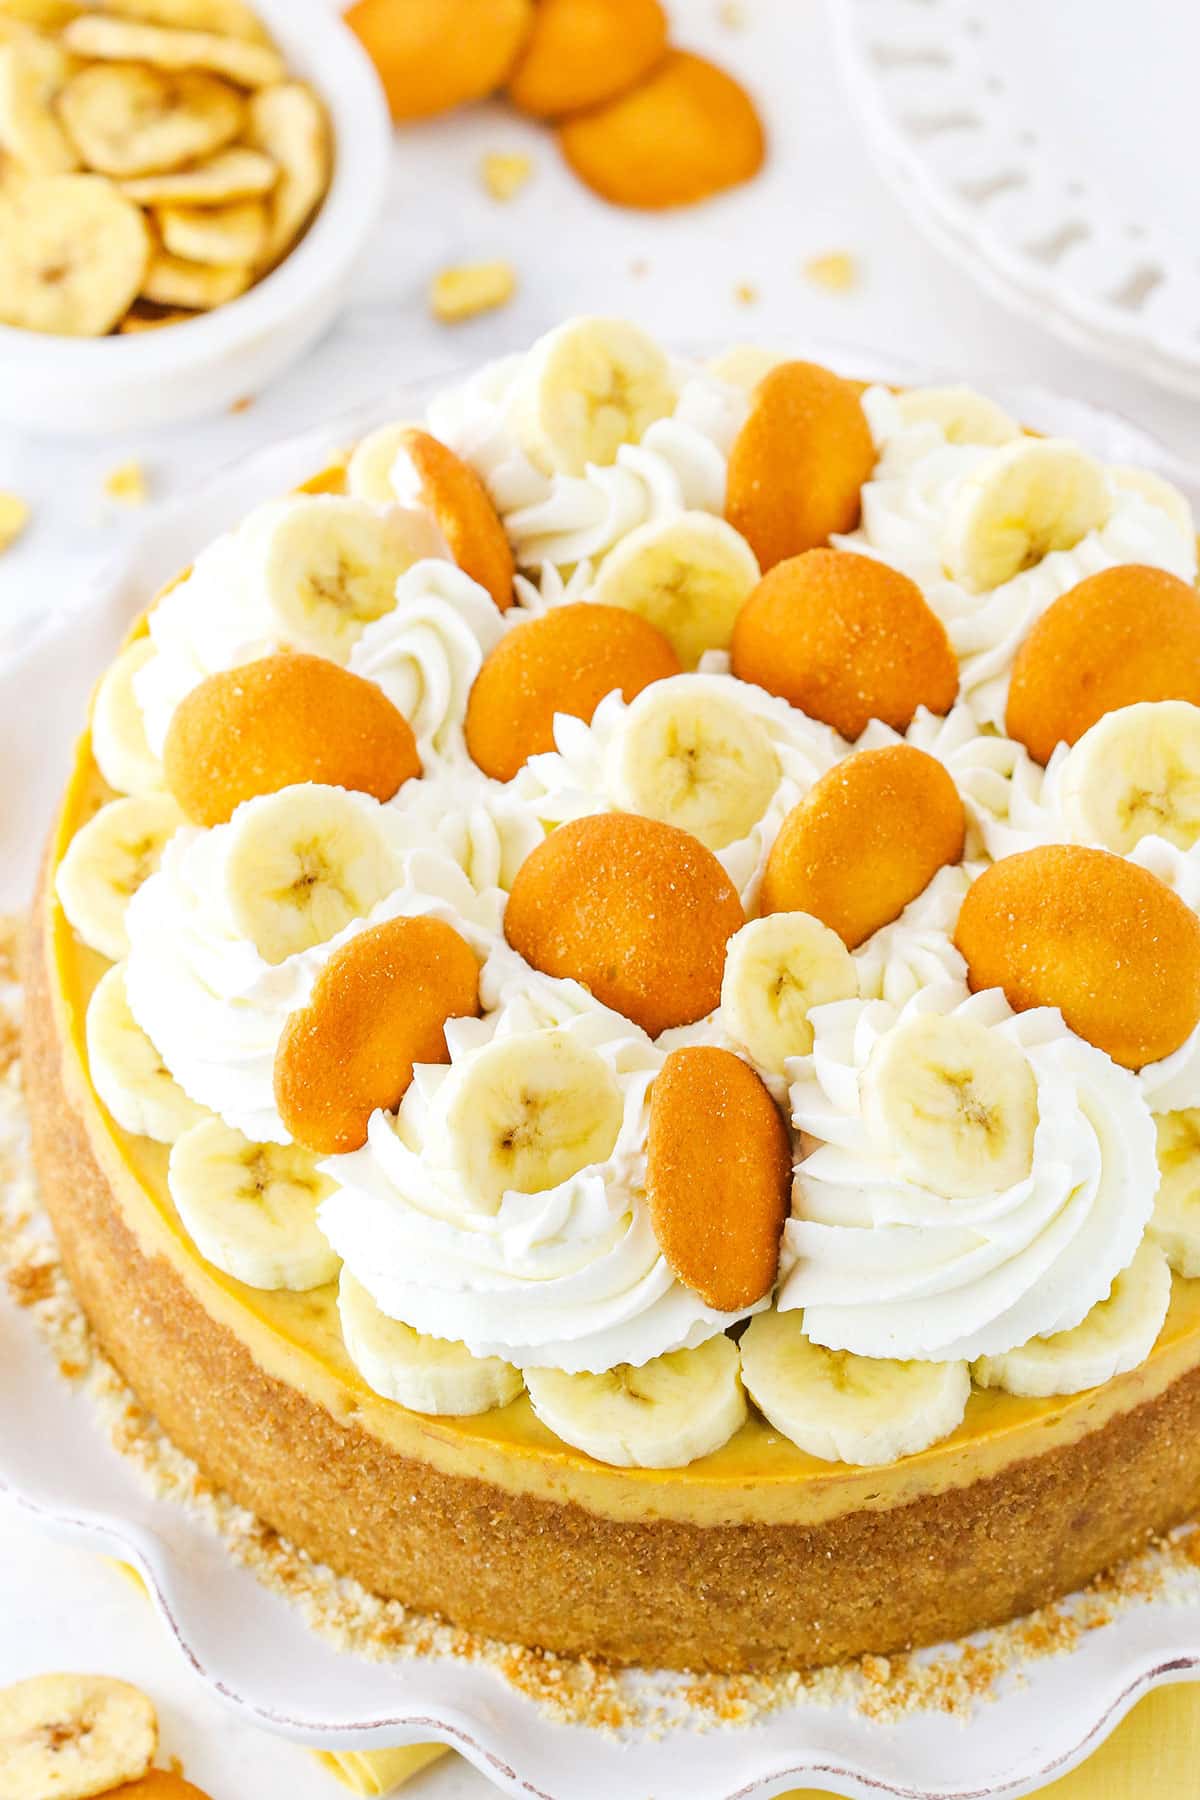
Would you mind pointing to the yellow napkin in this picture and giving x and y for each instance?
(1153, 1755)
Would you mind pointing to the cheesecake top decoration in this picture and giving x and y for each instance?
(656, 849)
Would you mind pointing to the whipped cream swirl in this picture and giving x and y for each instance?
(884, 1267)
(679, 465)
(583, 774)
(904, 508)
(571, 1277)
(209, 1001)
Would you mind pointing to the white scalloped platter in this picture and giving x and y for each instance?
(1049, 149)
(250, 1646)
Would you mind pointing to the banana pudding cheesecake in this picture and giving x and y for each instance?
(613, 1027)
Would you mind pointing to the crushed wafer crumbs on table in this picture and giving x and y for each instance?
(745, 293)
(127, 484)
(14, 517)
(472, 288)
(732, 14)
(952, 1680)
(837, 271)
(505, 172)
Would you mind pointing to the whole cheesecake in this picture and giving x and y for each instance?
(613, 1028)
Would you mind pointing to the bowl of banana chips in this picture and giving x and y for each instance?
(185, 187)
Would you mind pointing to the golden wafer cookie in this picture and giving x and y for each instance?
(638, 911)
(581, 53)
(867, 838)
(797, 466)
(718, 1175)
(450, 489)
(379, 1005)
(1096, 936)
(280, 721)
(686, 133)
(847, 639)
(435, 54)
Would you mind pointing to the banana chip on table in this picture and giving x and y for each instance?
(107, 39)
(127, 120)
(197, 287)
(227, 18)
(230, 175)
(236, 233)
(72, 1736)
(73, 255)
(32, 70)
(288, 124)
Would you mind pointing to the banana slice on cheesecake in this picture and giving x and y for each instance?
(1133, 774)
(776, 970)
(1029, 498)
(426, 1374)
(106, 863)
(127, 1072)
(589, 387)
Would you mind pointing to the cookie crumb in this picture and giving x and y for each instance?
(242, 404)
(505, 172)
(745, 293)
(126, 484)
(732, 15)
(471, 288)
(837, 271)
(14, 517)
(639, 266)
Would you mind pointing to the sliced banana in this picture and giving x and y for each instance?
(233, 234)
(289, 125)
(119, 745)
(744, 365)
(661, 1415)
(198, 287)
(1134, 773)
(127, 120)
(330, 565)
(73, 252)
(1175, 1226)
(251, 1209)
(587, 388)
(228, 18)
(128, 1073)
(962, 415)
(846, 1408)
(240, 60)
(1025, 500)
(369, 471)
(1117, 1335)
(237, 174)
(66, 1737)
(954, 1103)
(527, 1112)
(32, 70)
(302, 864)
(776, 970)
(1158, 492)
(426, 1374)
(689, 575)
(106, 863)
(693, 758)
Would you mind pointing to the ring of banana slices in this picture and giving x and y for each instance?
(155, 162)
(627, 1040)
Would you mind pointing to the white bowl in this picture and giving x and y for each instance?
(96, 385)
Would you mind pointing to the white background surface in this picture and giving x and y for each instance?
(678, 274)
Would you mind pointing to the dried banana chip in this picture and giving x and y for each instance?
(73, 254)
(289, 124)
(32, 70)
(73, 1736)
(150, 318)
(128, 120)
(43, 15)
(170, 281)
(123, 40)
(215, 234)
(230, 175)
(228, 18)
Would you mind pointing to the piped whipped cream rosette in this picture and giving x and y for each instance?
(229, 935)
(975, 1178)
(594, 433)
(993, 533)
(712, 755)
(305, 573)
(504, 1204)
